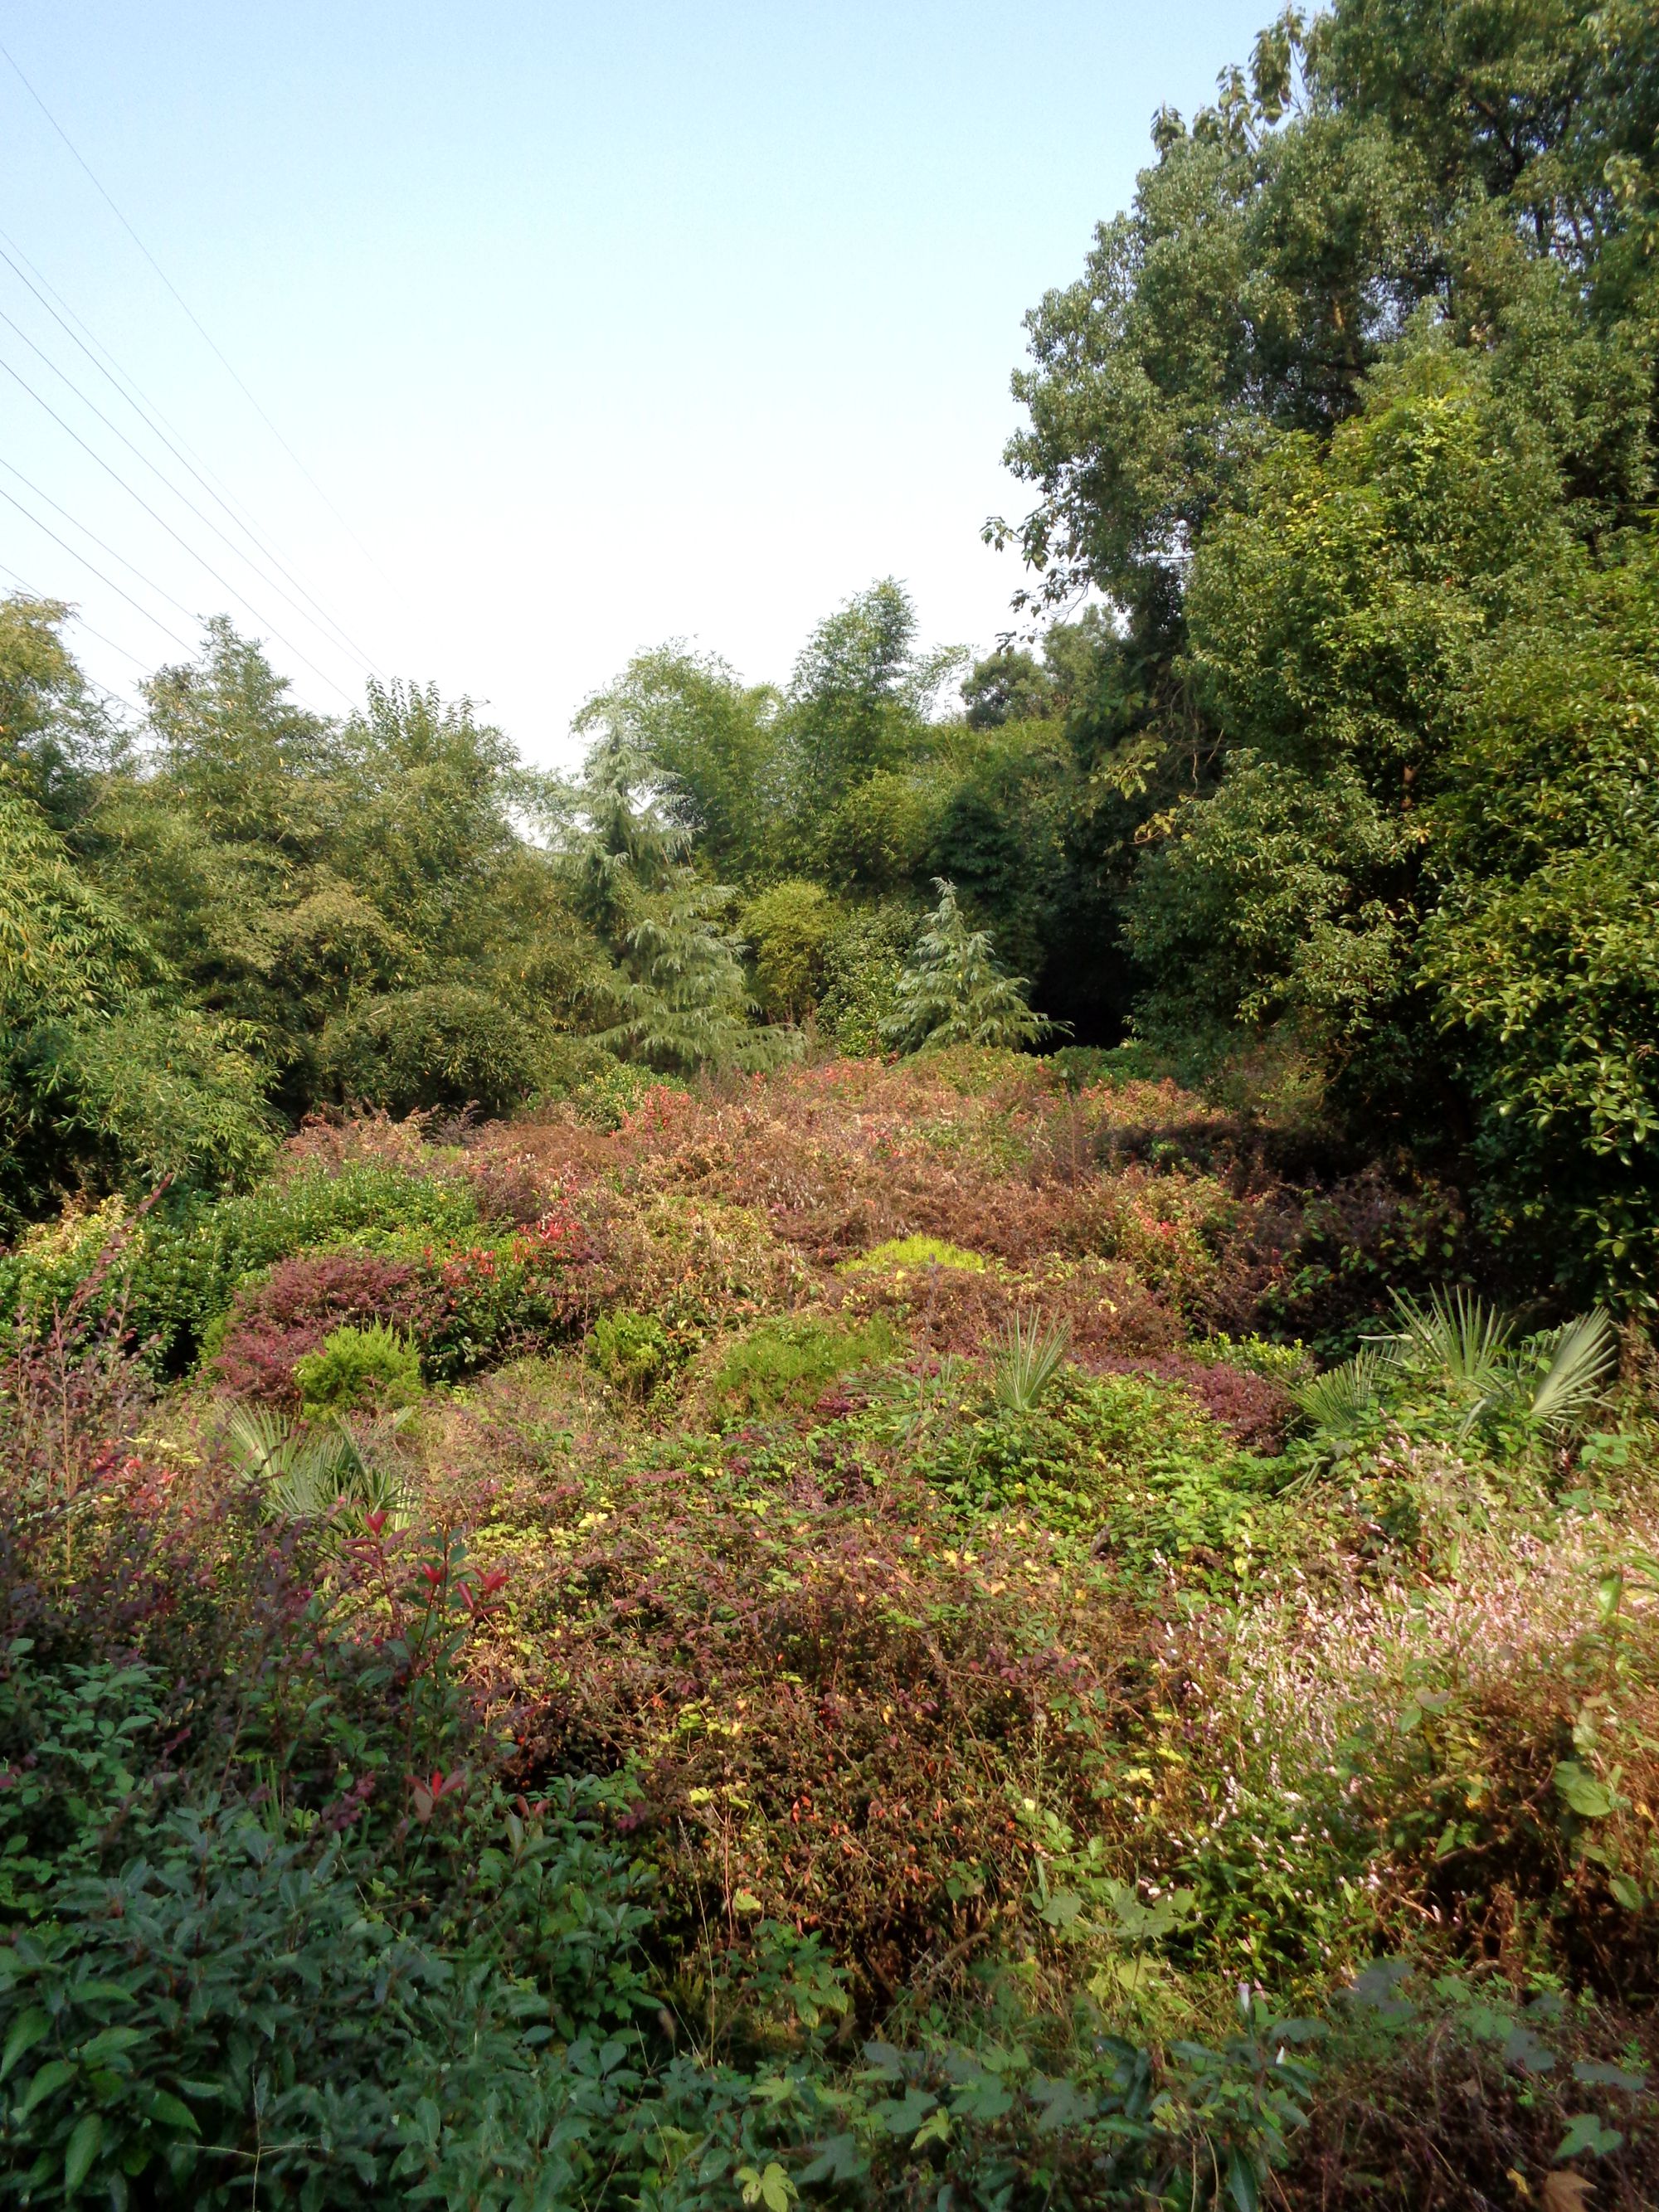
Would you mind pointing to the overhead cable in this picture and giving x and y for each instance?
(206, 520)
(155, 422)
(223, 583)
(189, 313)
(29, 590)
(99, 572)
(189, 614)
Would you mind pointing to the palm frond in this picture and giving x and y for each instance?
(264, 1444)
(1583, 1356)
(304, 1474)
(1336, 1401)
(1031, 1358)
(1457, 1339)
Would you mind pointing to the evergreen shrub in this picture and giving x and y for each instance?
(355, 1368)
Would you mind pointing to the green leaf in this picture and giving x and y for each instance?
(1062, 1908)
(1584, 1794)
(49, 2078)
(1628, 1893)
(108, 2042)
(1586, 2135)
(903, 2116)
(773, 2188)
(839, 2159)
(26, 2030)
(1597, 2074)
(83, 2147)
(1242, 2184)
(173, 2111)
(936, 2128)
(1522, 2048)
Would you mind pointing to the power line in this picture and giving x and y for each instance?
(223, 583)
(160, 593)
(184, 306)
(128, 386)
(138, 453)
(106, 581)
(155, 422)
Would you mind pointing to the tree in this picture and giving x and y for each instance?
(788, 927)
(679, 998)
(55, 738)
(952, 990)
(675, 997)
(105, 1076)
(1543, 953)
(713, 748)
(1333, 626)
(857, 725)
(1493, 168)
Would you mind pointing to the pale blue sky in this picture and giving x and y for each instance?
(600, 325)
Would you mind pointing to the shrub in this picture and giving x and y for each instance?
(1128, 1460)
(1175, 1229)
(1345, 1249)
(790, 1363)
(1455, 2091)
(633, 1351)
(444, 1045)
(824, 1706)
(292, 1312)
(608, 1095)
(202, 1993)
(465, 1304)
(354, 1368)
(174, 1270)
(899, 1255)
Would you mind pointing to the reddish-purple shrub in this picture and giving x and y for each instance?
(274, 1322)
(1254, 1410)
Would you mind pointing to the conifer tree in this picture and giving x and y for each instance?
(678, 992)
(954, 991)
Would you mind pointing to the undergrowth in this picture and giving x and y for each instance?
(849, 1641)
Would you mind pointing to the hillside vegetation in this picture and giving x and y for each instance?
(904, 1451)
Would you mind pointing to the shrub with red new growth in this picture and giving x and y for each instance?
(827, 1707)
(276, 1322)
(331, 1140)
(1255, 1410)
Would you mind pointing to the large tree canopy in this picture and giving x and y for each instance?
(1352, 417)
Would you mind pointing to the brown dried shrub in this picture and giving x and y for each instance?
(1433, 2120)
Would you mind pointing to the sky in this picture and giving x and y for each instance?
(567, 329)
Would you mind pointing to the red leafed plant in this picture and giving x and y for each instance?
(300, 1303)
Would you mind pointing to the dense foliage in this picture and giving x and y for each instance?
(646, 1561)
(808, 1647)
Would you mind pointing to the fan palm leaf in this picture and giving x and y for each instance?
(1031, 1355)
(1336, 1401)
(1584, 1354)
